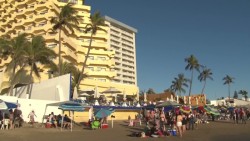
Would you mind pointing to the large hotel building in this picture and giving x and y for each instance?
(112, 60)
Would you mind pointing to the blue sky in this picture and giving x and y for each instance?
(216, 32)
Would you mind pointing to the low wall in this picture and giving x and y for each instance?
(119, 115)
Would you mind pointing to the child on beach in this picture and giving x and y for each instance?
(32, 117)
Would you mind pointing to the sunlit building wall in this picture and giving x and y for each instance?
(33, 17)
(122, 40)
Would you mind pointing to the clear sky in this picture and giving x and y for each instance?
(216, 32)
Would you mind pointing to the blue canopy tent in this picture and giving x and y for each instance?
(69, 106)
(7, 105)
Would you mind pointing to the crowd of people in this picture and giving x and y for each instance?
(58, 121)
(11, 119)
(176, 122)
(172, 122)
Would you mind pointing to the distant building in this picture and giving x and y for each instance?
(122, 41)
(195, 100)
(231, 102)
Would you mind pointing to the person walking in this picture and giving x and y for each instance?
(244, 116)
(32, 117)
(191, 121)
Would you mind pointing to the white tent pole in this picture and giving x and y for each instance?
(72, 120)
(44, 113)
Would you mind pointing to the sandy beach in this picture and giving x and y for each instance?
(214, 131)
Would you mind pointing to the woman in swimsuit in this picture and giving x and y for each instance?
(179, 123)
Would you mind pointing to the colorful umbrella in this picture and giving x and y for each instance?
(101, 113)
(185, 109)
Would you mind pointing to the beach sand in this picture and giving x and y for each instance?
(213, 131)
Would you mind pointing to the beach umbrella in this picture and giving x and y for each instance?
(112, 90)
(84, 95)
(211, 110)
(124, 95)
(168, 103)
(71, 107)
(101, 113)
(185, 109)
(7, 105)
(97, 95)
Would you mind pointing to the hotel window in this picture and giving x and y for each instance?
(101, 58)
(71, 1)
(103, 80)
(91, 68)
(91, 57)
(101, 69)
(52, 45)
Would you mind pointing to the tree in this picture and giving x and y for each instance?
(37, 52)
(66, 18)
(244, 94)
(96, 22)
(13, 48)
(150, 91)
(68, 68)
(192, 64)
(235, 95)
(167, 90)
(178, 83)
(206, 73)
(227, 81)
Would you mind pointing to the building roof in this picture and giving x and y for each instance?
(107, 18)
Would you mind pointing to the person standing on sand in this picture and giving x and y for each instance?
(184, 123)
(11, 118)
(32, 117)
(179, 123)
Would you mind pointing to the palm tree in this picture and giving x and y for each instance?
(96, 22)
(150, 91)
(66, 18)
(206, 73)
(192, 64)
(178, 83)
(228, 80)
(68, 68)
(235, 95)
(13, 48)
(37, 52)
(243, 93)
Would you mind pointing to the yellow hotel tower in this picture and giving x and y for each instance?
(112, 60)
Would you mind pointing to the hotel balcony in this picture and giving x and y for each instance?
(101, 62)
(103, 45)
(51, 37)
(68, 53)
(83, 14)
(69, 41)
(98, 35)
(101, 73)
